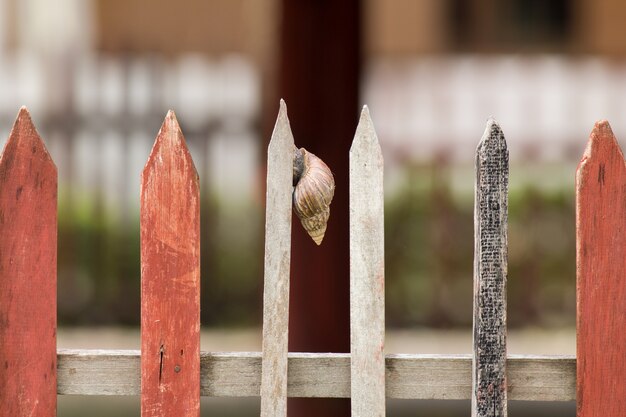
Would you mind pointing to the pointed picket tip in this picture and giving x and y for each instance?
(601, 142)
(493, 136)
(282, 129)
(601, 137)
(365, 111)
(170, 141)
(365, 135)
(25, 139)
(170, 129)
(24, 115)
(282, 113)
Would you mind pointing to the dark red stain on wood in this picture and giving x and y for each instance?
(601, 277)
(28, 257)
(170, 278)
(319, 79)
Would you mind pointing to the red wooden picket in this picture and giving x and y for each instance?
(28, 257)
(601, 277)
(170, 278)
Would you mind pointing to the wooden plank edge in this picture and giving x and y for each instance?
(327, 375)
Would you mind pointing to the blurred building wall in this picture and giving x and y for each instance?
(601, 26)
(409, 27)
(400, 27)
(405, 27)
(175, 27)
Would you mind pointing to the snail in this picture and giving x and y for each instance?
(314, 187)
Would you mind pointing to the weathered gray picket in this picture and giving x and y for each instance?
(367, 272)
(277, 260)
(490, 271)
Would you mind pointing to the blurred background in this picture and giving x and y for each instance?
(98, 77)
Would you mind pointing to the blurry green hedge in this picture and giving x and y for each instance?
(429, 251)
(429, 257)
(99, 265)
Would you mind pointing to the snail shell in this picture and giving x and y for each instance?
(314, 189)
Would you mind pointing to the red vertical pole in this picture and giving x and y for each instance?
(28, 259)
(319, 79)
(170, 278)
(601, 277)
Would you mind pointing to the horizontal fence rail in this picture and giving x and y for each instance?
(238, 374)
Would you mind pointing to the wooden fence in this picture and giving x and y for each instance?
(171, 373)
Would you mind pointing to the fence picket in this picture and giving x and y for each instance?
(277, 263)
(489, 391)
(367, 272)
(601, 277)
(170, 278)
(28, 231)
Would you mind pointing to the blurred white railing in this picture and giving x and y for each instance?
(427, 105)
(106, 105)
(100, 111)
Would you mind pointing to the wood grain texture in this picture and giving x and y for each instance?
(327, 375)
(28, 245)
(280, 155)
(489, 392)
(170, 278)
(99, 372)
(367, 272)
(601, 277)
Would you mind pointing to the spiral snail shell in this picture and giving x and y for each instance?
(314, 189)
